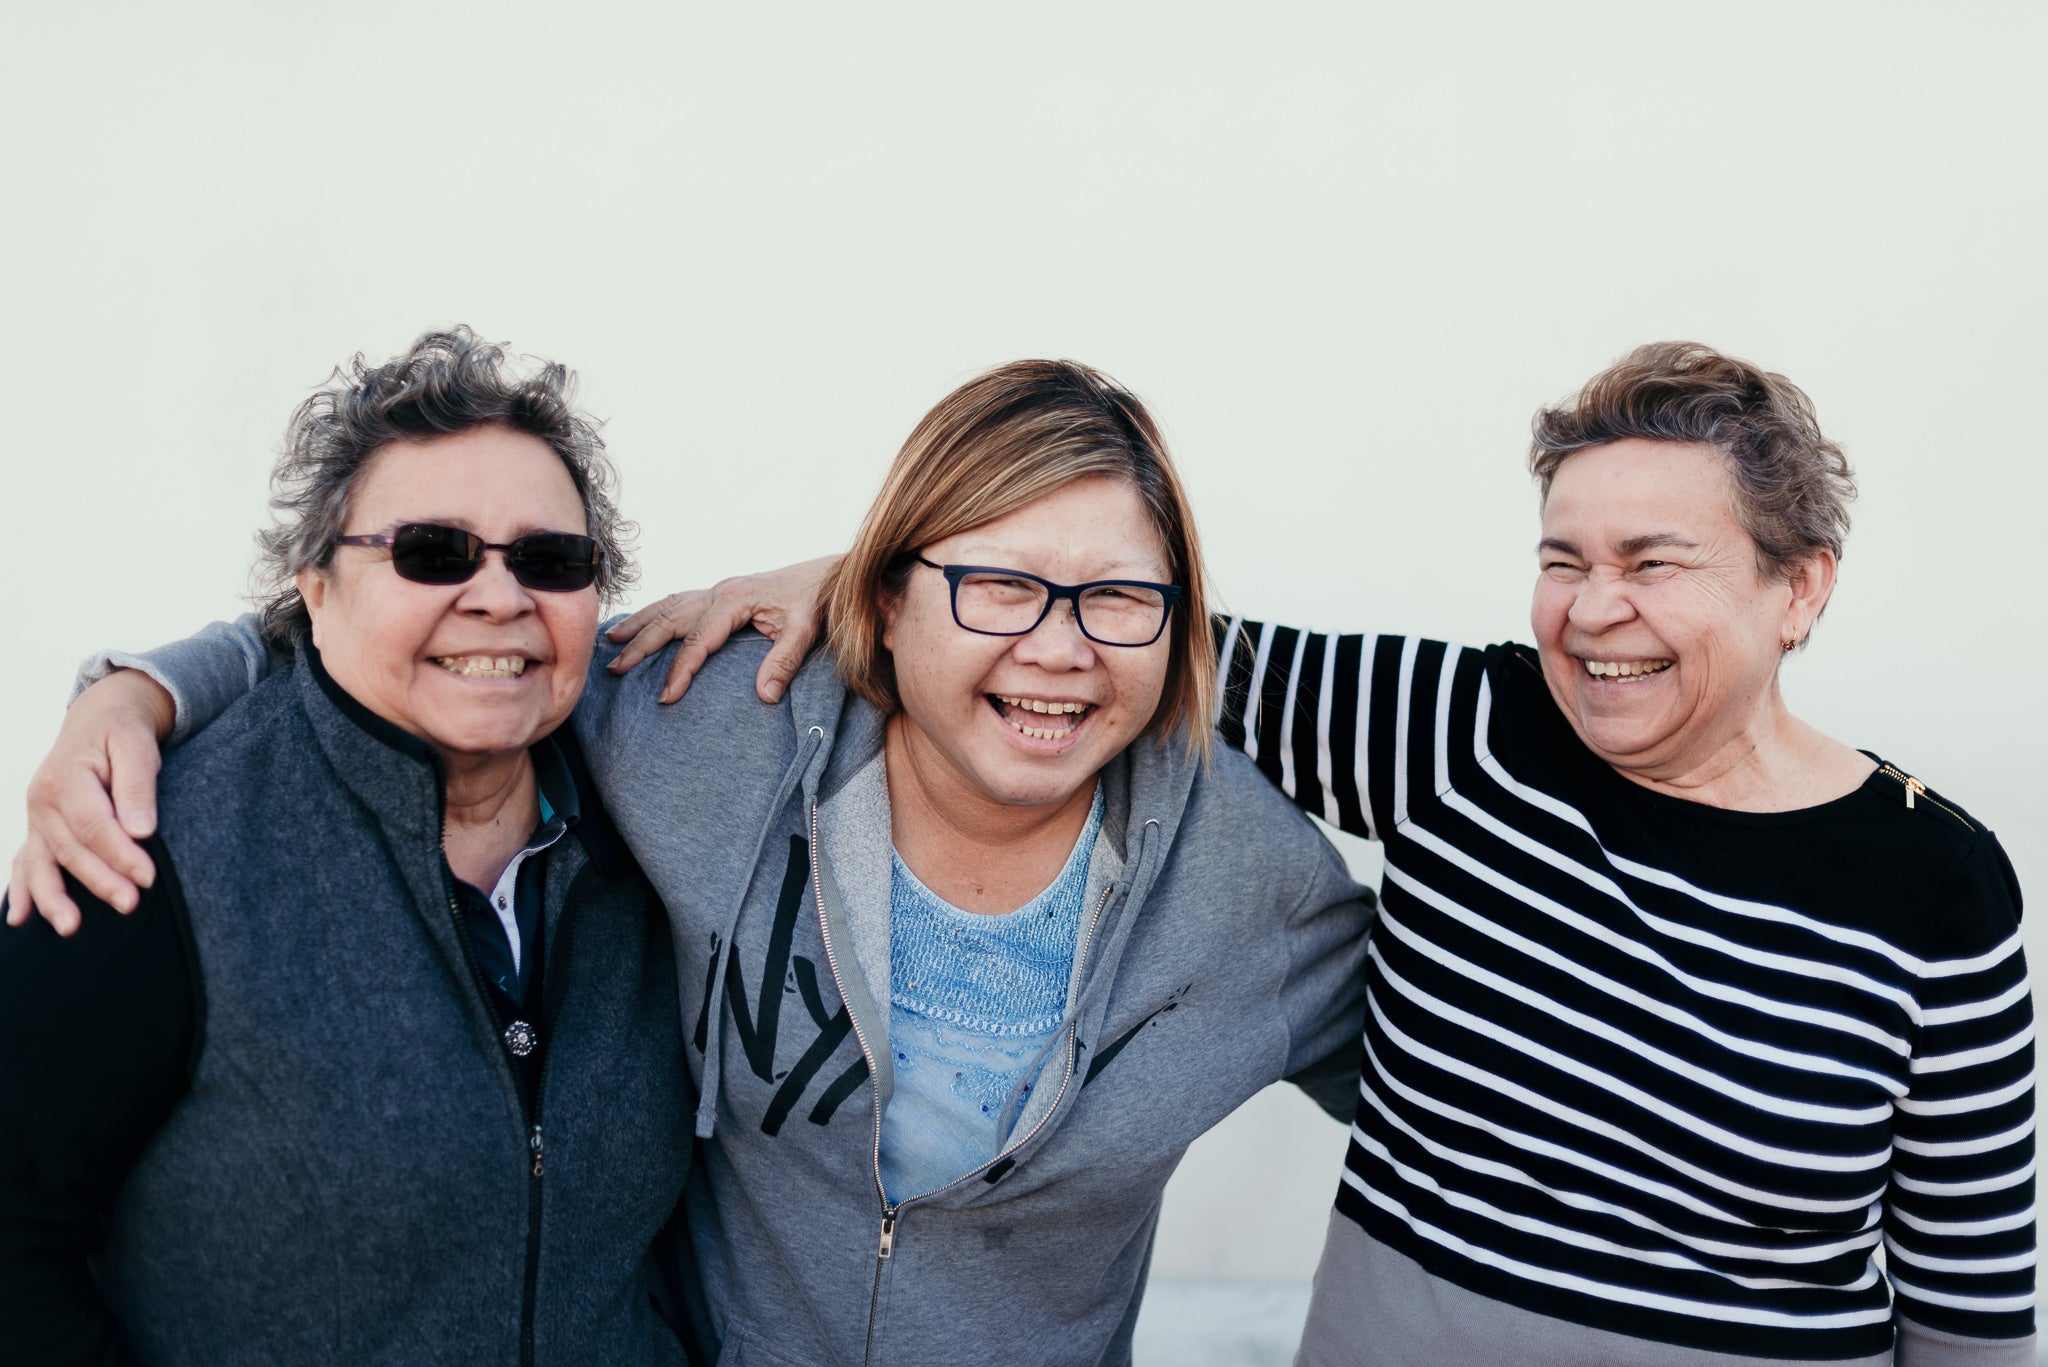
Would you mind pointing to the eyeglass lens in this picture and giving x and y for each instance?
(547, 562)
(1005, 605)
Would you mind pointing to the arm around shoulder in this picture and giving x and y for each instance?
(204, 673)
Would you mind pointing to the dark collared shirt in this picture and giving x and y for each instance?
(505, 922)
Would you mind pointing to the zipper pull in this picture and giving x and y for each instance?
(533, 1142)
(1913, 785)
(888, 1234)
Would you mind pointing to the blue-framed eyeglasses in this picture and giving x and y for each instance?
(1112, 612)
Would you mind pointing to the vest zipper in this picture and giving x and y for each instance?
(549, 1013)
(533, 1140)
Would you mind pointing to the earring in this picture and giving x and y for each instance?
(1789, 645)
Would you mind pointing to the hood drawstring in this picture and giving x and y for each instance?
(714, 1033)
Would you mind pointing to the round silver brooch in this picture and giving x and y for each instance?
(520, 1038)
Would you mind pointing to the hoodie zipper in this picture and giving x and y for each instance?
(1915, 788)
(885, 1246)
(1081, 952)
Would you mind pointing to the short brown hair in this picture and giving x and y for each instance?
(1002, 440)
(1792, 485)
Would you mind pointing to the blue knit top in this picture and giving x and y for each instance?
(974, 1001)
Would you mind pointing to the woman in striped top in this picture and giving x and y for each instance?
(1679, 1009)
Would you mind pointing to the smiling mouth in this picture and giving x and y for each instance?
(483, 666)
(1625, 670)
(1039, 719)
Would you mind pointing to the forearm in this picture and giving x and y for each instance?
(202, 674)
(1312, 710)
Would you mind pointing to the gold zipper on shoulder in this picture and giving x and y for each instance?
(1916, 789)
(1913, 786)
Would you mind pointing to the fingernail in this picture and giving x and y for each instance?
(774, 692)
(125, 901)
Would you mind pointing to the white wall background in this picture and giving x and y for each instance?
(1344, 250)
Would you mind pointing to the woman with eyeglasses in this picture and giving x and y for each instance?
(975, 934)
(1680, 1011)
(386, 1065)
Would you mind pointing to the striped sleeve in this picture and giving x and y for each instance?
(1319, 714)
(1959, 1214)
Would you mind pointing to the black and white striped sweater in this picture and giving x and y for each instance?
(1655, 1068)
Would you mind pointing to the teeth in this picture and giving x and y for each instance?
(1040, 705)
(483, 666)
(1068, 716)
(1625, 669)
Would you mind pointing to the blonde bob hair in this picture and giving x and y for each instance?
(1002, 440)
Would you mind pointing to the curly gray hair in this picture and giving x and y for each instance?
(1792, 485)
(447, 382)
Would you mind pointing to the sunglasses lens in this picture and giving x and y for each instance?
(554, 562)
(547, 562)
(429, 554)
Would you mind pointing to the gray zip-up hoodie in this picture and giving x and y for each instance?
(1220, 953)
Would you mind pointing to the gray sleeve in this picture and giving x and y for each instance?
(204, 673)
(1324, 995)
(207, 671)
(599, 711)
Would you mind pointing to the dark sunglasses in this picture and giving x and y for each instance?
(427, 553)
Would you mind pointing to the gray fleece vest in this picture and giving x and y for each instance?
(351, 1178)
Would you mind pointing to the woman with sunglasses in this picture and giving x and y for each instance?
(984, 936)
(386, 1065)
